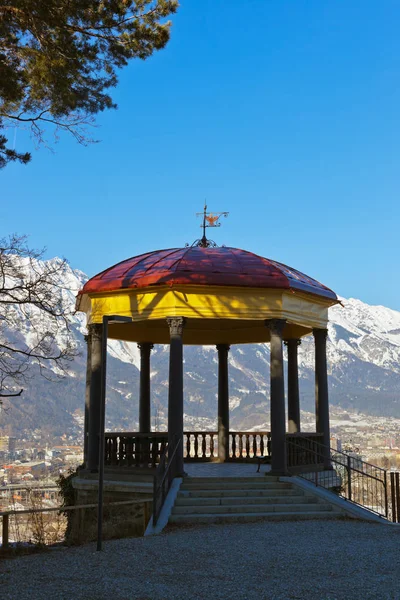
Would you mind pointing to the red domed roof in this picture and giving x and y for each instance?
(203, 266)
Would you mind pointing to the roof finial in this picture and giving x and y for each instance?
(209, 220)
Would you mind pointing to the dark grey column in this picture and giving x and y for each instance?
(223, 402)
(278, 423)
(321, 388)
(293, 386)
(175, 391)
(96, 333)
(144, 397)
(88, 340)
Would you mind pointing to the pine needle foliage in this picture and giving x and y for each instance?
(59, 59)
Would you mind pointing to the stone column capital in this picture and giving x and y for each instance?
(223, 347)
(275, 325)
(176, 325)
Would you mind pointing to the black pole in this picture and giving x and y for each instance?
(175, 390)
(101, 433)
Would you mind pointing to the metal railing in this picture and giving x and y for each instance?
(166, 471)
(345, 474)
(5, 530)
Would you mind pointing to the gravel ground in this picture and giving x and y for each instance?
(292, 560)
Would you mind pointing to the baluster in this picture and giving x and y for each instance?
(247, 445)
(152, 452)
(124, 450)
(120, 450)
(115, 451)
(211, 445)
(131, 450)
(187, 435)
(240, 445)
(136, 450)
(112, 451)
(162, 447)
(254, 445)
(262, 445)
(203, 445)
(196, 445)
(269, 443)
(233, 445)
(106, 450)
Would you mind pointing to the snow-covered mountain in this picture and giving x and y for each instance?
(363, 358)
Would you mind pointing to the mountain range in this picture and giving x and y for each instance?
(363, 362)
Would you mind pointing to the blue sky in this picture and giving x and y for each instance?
(284, 113)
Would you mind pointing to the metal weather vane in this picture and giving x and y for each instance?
(209, 220)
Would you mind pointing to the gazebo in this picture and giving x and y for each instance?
(208, 295)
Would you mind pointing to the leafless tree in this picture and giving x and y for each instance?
(34, 315)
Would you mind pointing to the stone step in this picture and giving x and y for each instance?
(257, 479)
(247, 518)
(223, 493)
(250, 508)
(234, 485)
(183, 500)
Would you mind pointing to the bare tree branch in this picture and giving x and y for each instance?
(32, 296)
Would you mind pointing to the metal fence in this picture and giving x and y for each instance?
(345, 474)
(28, 525)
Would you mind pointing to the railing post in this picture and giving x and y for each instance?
(393, 496)
(398, 496)
(348, 469)
(386, 496)
(5, 532)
